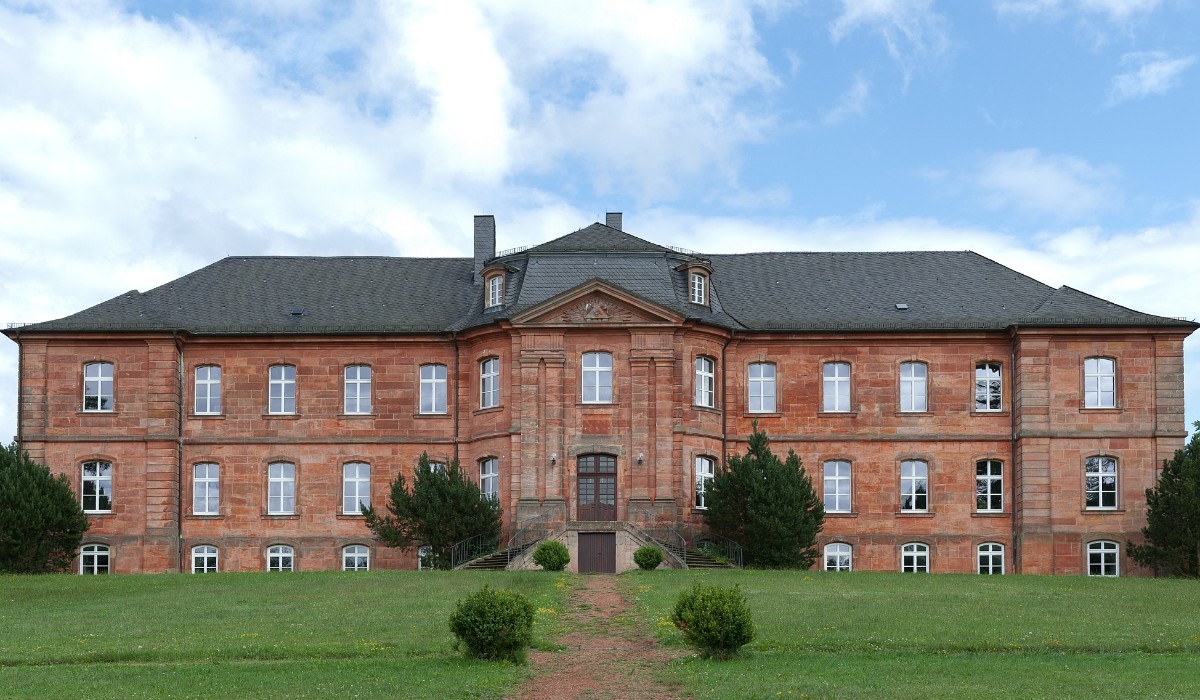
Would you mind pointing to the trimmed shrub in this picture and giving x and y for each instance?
(715, 620)
(648, 557)
(496, 625)
(551, 555)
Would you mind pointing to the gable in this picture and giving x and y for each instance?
(597, 304)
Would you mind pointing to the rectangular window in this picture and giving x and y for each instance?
(912, 386)
(495, 290)
(204, 559)
(357, 389)
(489, 383)
(837, 486)
(988, 387)
(836, 387)
(433, 388)
(97, 487)
(281, 489)
(98, 386)
(706, 382)
(597, 377)
(761, 386)
(1100, 482)
(989, 486)
(282, 389)
(704, 475)
(699, 288)
(208, 390)
(489, 478)
(914, 486)
(206, 489)
(356, 487)
(1099, 383)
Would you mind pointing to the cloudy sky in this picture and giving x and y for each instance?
(140, 141)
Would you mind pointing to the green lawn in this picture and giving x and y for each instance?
(898, 636)
(320, 634)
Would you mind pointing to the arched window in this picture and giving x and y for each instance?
(281, 557)
(991, 558)
(1104, 558)
(356, 557)
(93, 559)
(204, 559)
(489, 478)
(914, 558)
(838, 557)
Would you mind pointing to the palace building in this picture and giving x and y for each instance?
(957, 415)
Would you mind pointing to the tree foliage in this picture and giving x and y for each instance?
(41, 521)
(1172, 531)
(443, 508)
(766, 505)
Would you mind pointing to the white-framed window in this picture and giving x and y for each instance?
(281, 488)
(495, 291)
(208, 390)
(437, 468)
(597, 377)
(93, 559)
(914, 558)
(705, 470)
(761, 387)
(433, 388)
(1104, 558)
(98, 386)
(837, 486)
(282, 398)
(206, 489)
(698, 285)
(1099, 382)
(989, 486)
(281, 557)
(991, 558)
(989, 389)
(489, 383)
(913, 381)
(97, 487)
(489, 478)
(838, 557)
(357, 390)
(914, 485)
(835, 387)
(356, 487)
(425, 558)
(1100, 482)
(356, 557)
(706, 382)
(204, 559)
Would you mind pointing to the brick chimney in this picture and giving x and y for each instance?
(485, 242)
(613, 220)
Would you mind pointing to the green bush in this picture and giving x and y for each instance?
(715, 620)
(551, 555)
(494, 624)
(648, 557)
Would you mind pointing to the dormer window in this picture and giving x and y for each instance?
(699, 288)
(495, 291)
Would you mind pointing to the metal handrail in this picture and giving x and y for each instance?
(711, 543)
(532, 530)
(473, 548)
(664, 532)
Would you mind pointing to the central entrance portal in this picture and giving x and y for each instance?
(597, 487)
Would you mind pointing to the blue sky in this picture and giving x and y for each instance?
(140, 141)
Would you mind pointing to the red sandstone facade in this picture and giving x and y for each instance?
(1041, 435)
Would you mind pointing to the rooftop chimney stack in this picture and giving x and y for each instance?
(613, 220)
(485, 242)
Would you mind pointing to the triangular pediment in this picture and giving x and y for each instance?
(597, 303)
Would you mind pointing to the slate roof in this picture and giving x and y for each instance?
(753, 291)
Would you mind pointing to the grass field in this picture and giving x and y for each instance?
(384, 634)
(899, 636)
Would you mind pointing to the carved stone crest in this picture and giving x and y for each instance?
(597, 309)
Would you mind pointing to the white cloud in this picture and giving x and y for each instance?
(852, 103)
(1061, 187)
(910, 29)
(1147, 73)
(1115, 11)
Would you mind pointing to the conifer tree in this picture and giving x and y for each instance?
(766, 505)
(1172, 532)
(443, 508)
(41, 521)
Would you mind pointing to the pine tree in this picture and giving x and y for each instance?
(41, 521)
(1172, 531)
(767, 505)
(443, 508)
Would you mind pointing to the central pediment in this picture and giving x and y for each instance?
(597, 303)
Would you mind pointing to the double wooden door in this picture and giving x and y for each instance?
(597, 486)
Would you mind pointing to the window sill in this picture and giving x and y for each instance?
(706, 409)
(357, 415)
(489, 409)
(281, 416)
(985, 414)
(350, 516)
(762, 414)
(597, 404)
(1102, 511)
(432, 415)
(282, 516)
(915, 414)
(206, 416)
(915, 514)
(96, 513)
(841, 514)
(1101, 409)
(990, 514)
(204, 516)
(96, 413)
(835, 414)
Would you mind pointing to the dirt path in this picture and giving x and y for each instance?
(608, 655)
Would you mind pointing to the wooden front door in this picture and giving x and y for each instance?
(597, 553)
(597, 478)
